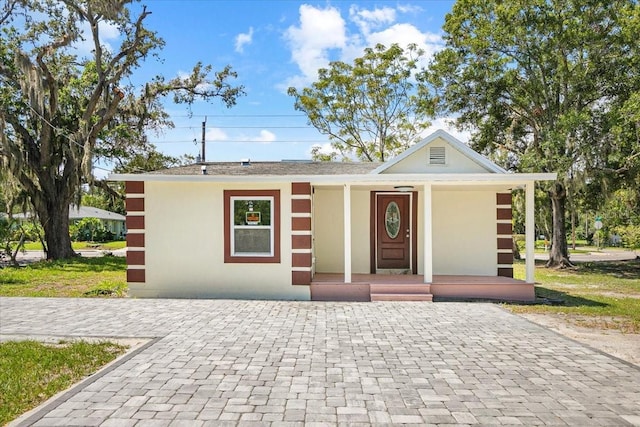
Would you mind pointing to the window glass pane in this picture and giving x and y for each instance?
(252, 240)
(251, 212)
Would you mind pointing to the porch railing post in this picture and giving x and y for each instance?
(347, 233)
(530, 242)
(428, 235)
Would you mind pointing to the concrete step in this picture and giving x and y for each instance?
(396, 288)
(401, 297)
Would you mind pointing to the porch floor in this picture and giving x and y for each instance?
(376, 287)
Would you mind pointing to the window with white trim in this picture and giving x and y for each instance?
(251, 226)
(252, 229)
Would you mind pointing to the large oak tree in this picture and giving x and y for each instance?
(62, 107)
(543, 84)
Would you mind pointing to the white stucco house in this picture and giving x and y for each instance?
(434, 221)
(112, 221)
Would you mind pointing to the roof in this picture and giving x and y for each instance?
(453, 142)
(79, 212)
(337, 173)
(312, 168)
(282, 168)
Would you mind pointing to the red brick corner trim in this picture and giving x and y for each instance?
(504, 232)
(135, 222)
(301, 238)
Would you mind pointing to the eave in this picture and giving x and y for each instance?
(364, 179)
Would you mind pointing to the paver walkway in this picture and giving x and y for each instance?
(220, 362)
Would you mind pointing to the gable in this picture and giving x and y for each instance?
(439, 153)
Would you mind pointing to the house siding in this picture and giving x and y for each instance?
(184, 251)
(464, 233)
(456, 162)
(328, 223)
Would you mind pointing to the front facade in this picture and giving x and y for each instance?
(436, 219)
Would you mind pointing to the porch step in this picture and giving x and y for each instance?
(401, 297)
(400, 288)
(400, 292)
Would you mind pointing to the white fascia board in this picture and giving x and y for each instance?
(453, 178)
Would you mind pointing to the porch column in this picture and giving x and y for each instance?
(530, 241)
(427, 235)
(347, 233)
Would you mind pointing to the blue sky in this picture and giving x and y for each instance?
(272, 45)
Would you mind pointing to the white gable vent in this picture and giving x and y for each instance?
(437, 156)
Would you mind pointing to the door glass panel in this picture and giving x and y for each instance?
(392, 220)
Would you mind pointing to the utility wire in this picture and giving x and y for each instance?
(241, 127)
(57, 129)
(292, 141)
(237, 115)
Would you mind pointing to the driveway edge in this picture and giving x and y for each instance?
(37, 413)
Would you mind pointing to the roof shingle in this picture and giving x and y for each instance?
(273, 168)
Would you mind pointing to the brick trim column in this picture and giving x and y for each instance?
(301, 238)
(134, 203)
(504, 231)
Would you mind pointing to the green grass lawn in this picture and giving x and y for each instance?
(77, 277)
(604, 294)
(32, 372)
(107, 246)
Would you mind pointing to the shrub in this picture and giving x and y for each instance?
(630, 235)
(90, 230)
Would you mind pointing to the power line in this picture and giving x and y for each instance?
(292, 141)
(237, 115)
(60, 131)
(242, 127)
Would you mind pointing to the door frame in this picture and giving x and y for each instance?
(413, 220)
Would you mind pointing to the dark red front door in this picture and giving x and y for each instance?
(393, 231)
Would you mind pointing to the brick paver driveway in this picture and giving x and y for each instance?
(259, 362)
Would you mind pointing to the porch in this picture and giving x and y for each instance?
(411, 287)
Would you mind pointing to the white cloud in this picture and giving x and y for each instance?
(408, 8)
(325, 148)
(265, 137)
(319, 31)
(107, 33)
(215, 134)
(323, 32)
(405, 34)
(243, 39)
(367, 19)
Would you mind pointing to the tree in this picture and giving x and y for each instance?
(61, 109)
(369, 109)
(540, 82)
(111, 195)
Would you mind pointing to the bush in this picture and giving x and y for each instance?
(90, 230)
(630, 235)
